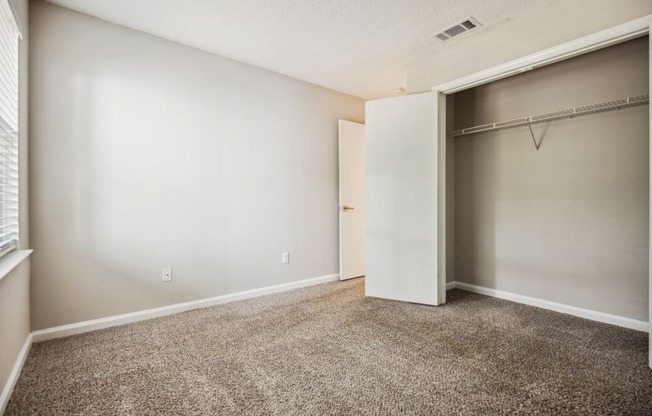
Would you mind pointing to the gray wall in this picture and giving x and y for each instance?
(146, 154)
(14, 319)
(562, 21)
(14, 287)
(450, 189)
(567, 223)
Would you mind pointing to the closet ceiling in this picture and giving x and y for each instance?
(358, 47)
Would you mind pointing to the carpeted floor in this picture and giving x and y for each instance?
(329, 350)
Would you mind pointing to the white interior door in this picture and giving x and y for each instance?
(402, 198)
(352, 199)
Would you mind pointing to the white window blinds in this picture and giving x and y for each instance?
(9, 38)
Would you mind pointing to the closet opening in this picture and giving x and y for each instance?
(547, 183)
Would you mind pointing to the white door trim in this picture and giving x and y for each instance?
(598, 40)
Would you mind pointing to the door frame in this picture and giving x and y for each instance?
(595, 41)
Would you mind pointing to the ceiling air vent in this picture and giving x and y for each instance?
(457, 29)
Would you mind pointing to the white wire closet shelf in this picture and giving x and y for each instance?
(556, 115)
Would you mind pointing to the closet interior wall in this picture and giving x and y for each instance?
(566, 223)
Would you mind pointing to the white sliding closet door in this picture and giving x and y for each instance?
(401, 187)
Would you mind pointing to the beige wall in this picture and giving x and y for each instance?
(14, 287)
(146, 153)
(562, 21)
(567, 223)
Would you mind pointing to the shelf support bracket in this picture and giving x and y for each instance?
(537, 145)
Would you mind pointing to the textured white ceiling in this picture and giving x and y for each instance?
(359, 47)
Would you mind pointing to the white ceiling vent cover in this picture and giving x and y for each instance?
(457, 29)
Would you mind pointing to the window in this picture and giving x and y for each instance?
(9, 38)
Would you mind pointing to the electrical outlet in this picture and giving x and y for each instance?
(286, 257)
(166, 274)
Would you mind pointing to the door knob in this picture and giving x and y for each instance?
(347, 207)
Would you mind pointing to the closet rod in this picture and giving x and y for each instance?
(556, 115)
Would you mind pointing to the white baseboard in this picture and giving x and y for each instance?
(15, 373)
(95, 324)
(554, 306)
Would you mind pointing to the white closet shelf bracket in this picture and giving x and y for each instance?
(536, 144)
(555, 115)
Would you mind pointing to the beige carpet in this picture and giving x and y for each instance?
(329, 350)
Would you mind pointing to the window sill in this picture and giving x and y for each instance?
(12, 260)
